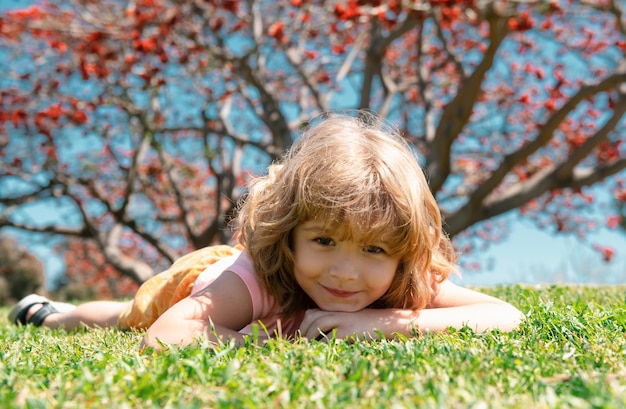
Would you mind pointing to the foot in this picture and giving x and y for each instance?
(34, 309)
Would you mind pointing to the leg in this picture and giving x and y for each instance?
(92, 314)
(38, 310)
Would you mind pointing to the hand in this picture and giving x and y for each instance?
(367, 323)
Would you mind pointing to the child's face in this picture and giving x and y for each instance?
(340, 275)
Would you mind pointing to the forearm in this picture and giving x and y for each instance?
(211, 314)
(457, 307)
(453, 306)
(186, 332)
(189, 321)
(478, 317)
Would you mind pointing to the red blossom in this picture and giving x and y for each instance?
(277, 30)
(613, 221)
(521, 173)
(323, 77)
(609, 151)
(339, 49)
(231, 5)
(550, 104)
(522, 22)
(51, 153)
(79, 117)
(539, 73)
(32, 12)
(606, 252)
(349, 11)
(145, 45)
(620, 196)
(18, 117)
(59, 45)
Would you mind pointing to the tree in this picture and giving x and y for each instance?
(21, 273)
(620, 204)
(141, 121)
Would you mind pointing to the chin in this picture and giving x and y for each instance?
(341, 308)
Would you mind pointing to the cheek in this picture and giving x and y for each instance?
(386, 280)
(303, 266)
(387, 283)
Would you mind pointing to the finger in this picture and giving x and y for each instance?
(310, 316)
(317, 324)
(320, 335)
(324, 335)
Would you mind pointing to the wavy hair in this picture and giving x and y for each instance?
(358, 174)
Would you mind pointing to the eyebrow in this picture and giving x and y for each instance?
(316, 228)
(320, 228)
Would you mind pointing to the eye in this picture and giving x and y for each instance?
(324, 241)
(374, 250)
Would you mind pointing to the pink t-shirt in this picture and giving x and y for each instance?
(265, 309)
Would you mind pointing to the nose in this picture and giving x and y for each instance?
(344, 268)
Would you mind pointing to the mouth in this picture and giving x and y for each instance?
(339, 293)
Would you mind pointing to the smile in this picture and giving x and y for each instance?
(339, 293)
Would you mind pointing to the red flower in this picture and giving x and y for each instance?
(607, 252)
(277, 30)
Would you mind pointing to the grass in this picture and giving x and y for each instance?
(569, 353)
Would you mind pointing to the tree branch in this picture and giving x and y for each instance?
(563, 175)
(458, 111)
(131, 267)
(545, 134)
(271, 116)
(567, 167)
(376, 52)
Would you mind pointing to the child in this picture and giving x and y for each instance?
(342, 234)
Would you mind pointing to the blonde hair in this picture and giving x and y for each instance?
(359, 174)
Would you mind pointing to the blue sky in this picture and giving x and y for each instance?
(529, 255)
(14, 4)
(533, 256)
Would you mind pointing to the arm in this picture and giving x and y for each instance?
(226, 303)
(455, 306)
(452, 306)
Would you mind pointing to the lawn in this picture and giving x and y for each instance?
(569, 353)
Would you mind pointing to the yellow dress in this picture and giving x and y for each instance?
(164, 290)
